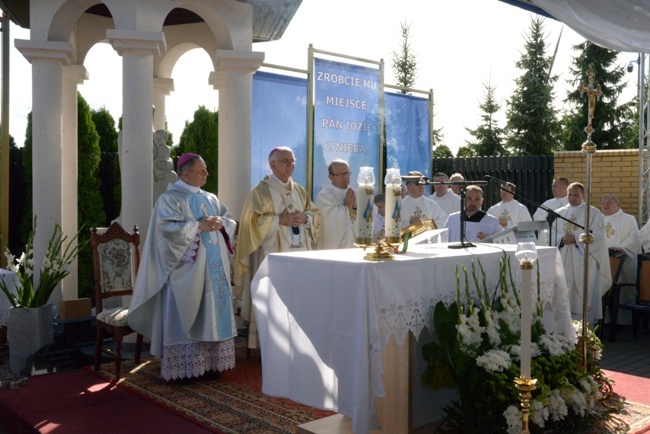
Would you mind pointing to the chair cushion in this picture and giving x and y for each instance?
(115, 317)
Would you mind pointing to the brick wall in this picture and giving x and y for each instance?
(613, 172)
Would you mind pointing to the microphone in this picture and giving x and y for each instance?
(295, 229)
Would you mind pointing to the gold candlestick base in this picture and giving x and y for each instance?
(525, 386)
(383, 249)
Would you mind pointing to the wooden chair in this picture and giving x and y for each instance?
(641, 306)
(116, 259)
(616, 262)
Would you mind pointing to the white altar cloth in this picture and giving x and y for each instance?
(11, 280)
(324, 317)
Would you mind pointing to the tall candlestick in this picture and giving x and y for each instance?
(365, 202)
(526, 254)
(393, 217)
(525, 322)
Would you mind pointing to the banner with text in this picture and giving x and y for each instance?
(279, 119)
(346, 119)
(408, 133)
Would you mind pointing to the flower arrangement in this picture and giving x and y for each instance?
(478, 351)
(60, 254)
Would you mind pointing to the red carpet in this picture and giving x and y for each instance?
(634, 390)
(78, 402)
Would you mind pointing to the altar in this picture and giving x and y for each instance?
(325, 318)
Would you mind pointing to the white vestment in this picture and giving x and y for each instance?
(540, 215)
(174, 302)
(621, 230)
(599, 278)
(644, 236)
(422, 208)
(512, 211)
(338, 227)
(553, 203)
(449, 202)
(488, 224)
(260, 233)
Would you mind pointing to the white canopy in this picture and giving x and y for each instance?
(621, 25)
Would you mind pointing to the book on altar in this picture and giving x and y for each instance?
(431, 236)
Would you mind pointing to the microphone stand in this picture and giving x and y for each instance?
(423, 180)
(551, 214)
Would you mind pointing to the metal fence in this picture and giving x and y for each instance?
(533, 176)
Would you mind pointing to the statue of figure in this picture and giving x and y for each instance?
(163, 165)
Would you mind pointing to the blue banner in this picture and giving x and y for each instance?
(346, 119)
(279, 119)
(408, 133)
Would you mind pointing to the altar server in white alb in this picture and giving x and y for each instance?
(478, 224)
(417, 207)
(573, 254)
(444, 196)
(182, 299)
(509, 211)
(338, 209)
(622, 234)
(560, 190)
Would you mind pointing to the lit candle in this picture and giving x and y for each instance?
(365, 202)
(526, 254)
(393, 218)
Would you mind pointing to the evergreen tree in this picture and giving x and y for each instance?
(26, 224)
(109, 168)
(405, 66)
(405, 69)
(90, 201)
(442, 151)
(532, 127)
(488, 135)
(465, 152)
(201, 136)
(613, 124)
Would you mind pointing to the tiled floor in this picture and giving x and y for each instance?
(627, 354)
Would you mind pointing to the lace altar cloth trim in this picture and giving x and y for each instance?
(197, 358)
(413, 315)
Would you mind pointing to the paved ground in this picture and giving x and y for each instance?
(627, 354)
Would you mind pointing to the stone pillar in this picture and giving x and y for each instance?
(137, 50)
(47, 59)
(234, 80)
(162, 87)
(73, 75)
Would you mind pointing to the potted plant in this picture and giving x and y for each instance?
(31, 318)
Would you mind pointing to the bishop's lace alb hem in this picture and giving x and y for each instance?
(195, 359)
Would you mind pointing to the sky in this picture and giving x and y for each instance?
(459, 47)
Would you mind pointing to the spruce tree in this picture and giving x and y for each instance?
(613, 124)
(532, 127)
(488, 135)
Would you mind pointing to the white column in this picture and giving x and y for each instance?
(162, 87)
(47, 59)
(73, 75)
(137, 50)
(234, 80)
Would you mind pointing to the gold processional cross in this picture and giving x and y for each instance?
(592, 93)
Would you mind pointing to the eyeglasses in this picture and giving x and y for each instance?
(341, 174)
(286, 161)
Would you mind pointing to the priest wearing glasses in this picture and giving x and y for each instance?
(277, 216)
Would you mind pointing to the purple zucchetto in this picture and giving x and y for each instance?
(273, 151)
(184, 159)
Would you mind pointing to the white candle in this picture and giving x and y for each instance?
(526, 301)
(365, 199)
(393, 218)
